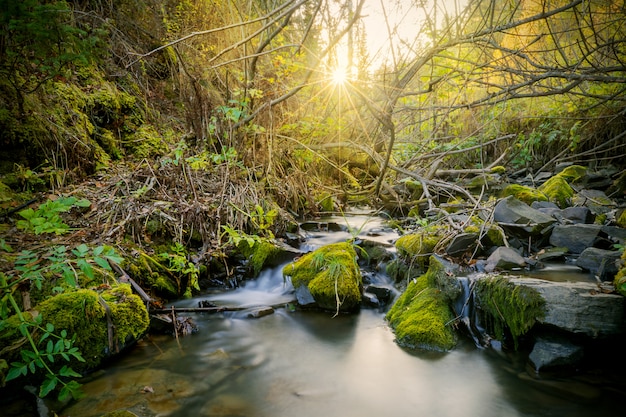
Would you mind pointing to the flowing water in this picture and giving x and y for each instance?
(305, 363)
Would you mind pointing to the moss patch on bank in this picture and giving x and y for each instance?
(332, 276)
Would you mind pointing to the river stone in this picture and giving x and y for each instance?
(596, 200)
(552, 352)
(513, 213)
(601, 262)
(504, 258)
(552, 253)
(304, 297)
(575, 237)
(579, 307)
(462, 243)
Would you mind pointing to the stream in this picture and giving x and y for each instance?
(307, 363)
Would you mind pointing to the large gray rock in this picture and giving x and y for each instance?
(601, 262)
(575, 237)
(579, 307)
(504, 258)
(513, 213)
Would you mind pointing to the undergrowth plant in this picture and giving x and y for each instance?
(46, 218)
(179, 265)
(46, 347)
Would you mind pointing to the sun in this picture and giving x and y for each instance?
(339, 75)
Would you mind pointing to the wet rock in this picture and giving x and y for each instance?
(576, 237)
(370, 300)
(383, 294)
(520, 218)
(304, 297)
(461, 243)
(552, 253)
(601, 262)
(617, 234)
(504, 258)
(579, 307)
(554, 352)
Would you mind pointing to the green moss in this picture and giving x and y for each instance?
(332, 276)
(145, 142)
(498, 169)
(417, 247)
(558, 191)
(620, 278)
(257, 254)
(524, 193)
(573, 173)
(421, 317)
(128, 313)
(506, 306)
(621, 218)
(81, 314)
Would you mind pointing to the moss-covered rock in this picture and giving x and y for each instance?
(508, 308)
(524, 193)
(416, 248)
(257, 253)
(82, 313)
(558, 191)
(573, 173)
(421, 317)
(621, 218)
(332, 276)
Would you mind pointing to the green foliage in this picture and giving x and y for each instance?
(58, 346)
(47, 219)
(178, 264)
(45, 346)
(508, 306)
(40, 41)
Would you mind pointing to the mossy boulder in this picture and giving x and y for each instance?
(573, 173)
(523, 193)
(416, 248)
(332, 276)
(422, 317)
(82, 314)
(558, 191)
(258, 253)
(506, 308)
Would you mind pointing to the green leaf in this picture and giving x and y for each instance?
(49, 327)
(49, 347)
(83, 202)
(68, 372)
(48, 385)
(102, 263)
(86, 268)
(16, 371)
(71, 388)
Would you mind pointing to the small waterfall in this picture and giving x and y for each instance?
(464, 308)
